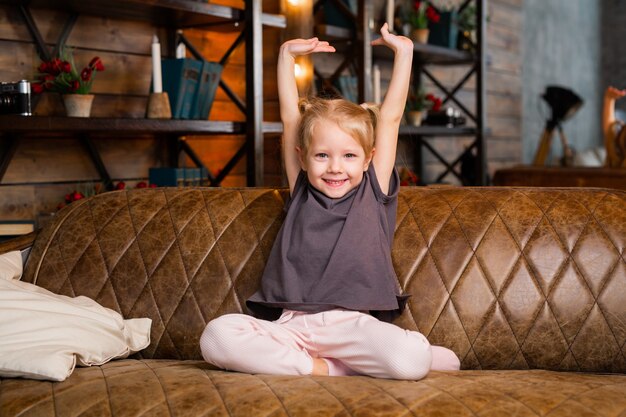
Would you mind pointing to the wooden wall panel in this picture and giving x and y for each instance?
(89, 32)
(125, 158)
(16, 203)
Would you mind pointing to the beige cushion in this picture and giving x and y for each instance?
(11, 265)
(44, 335)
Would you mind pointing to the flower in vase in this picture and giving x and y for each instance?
(435, 102)
(60, 75)
(420, 101)
(422, 14)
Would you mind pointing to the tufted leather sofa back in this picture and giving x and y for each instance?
(509, 278)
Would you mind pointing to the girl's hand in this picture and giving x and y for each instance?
(614, 93)
(296, 47)
(398, 44)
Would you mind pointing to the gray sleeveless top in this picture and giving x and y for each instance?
(333, 253)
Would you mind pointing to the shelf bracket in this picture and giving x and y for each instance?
(40, 43)
(88, 144)
(454, 163)
(450, 93)
(232, 48)
(230, 165)
(185, 147)
(448, 165)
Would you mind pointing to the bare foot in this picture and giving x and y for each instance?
(320, 367)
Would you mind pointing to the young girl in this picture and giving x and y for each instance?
(329, 276)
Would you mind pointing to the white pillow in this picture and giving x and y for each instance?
(11, 265)
(44, 335)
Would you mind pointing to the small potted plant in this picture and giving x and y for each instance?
(422, 14)
(418, 104)
(60, 75)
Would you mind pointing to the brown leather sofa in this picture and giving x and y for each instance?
(526, 285)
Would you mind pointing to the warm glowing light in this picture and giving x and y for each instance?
(294, 2)
(298, 71)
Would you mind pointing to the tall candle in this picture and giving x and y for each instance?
(390, 14)
(181, 49)
(376, 73)
(157, 82)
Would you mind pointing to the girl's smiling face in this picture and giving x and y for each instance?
(335, 161)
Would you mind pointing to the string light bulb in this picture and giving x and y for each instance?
(294, 3)
(298, 71)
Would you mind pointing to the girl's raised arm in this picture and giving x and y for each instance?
(288, 98)
(393, 105)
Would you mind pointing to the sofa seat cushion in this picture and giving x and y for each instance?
(193, 388)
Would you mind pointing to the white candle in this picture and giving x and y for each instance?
(157, 82)
(181, 49)
(390, 14)
(376, 71)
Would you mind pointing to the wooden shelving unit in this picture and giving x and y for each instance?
(172, 14)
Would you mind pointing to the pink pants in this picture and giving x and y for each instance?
(350, 342)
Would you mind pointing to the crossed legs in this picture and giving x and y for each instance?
(337, 342)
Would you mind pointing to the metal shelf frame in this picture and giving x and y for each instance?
(363, 56)
(434, 55)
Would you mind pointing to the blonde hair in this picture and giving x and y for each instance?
(359, 121)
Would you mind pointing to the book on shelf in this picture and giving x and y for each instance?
(178, 177)
(205, 90)
(348, 85)
(190, 85)
(13, 228)
(180, 81)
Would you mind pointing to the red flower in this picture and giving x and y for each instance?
(59, 75)
(141, 184)
(85, 75)
(422, 14)
(436, 102)
(77, 196)
(120, 185)
(432, 14)
(56, 67)
(153, 186)
(96, 64)
(38, 88)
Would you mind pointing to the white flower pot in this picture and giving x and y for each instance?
(78, 105)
